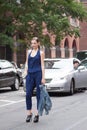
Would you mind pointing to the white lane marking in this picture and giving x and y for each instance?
(10, 102)
(7, 101)
(76, 124)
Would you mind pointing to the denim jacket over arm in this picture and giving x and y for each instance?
(45, 101)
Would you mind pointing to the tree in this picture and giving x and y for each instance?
(25, 17)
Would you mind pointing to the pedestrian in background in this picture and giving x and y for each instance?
(35, 76)
(75, 64)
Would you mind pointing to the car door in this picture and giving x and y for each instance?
(1, 76)
(8, 73)
(81, 77)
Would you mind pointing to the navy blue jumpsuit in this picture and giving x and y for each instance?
(33, 79)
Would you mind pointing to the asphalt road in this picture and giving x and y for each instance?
(68, 112)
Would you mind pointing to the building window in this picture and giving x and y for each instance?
(6, 52)
(21, 55)
(47, 52)
(74, 48)
(2, 52)
(66, 46)
(58, 52)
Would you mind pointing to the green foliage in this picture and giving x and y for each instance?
(26, 16)
(6, 40)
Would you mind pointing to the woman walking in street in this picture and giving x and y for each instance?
(35, 76)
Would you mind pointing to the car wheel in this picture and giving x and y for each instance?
(15, 86)
(72, 88)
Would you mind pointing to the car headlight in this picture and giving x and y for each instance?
(65, 77)
(60, 78)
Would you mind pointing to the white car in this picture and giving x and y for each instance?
(61, 76)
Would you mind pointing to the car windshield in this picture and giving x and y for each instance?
(58, 64)
(84, 62)
(81, 55)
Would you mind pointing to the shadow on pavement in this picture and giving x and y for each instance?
(5, 90)
(56, 94)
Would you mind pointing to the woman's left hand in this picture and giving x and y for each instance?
(43, 81)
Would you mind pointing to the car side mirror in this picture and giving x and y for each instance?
(81, 68)
(0, 68)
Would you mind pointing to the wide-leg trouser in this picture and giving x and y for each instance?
(32, 80)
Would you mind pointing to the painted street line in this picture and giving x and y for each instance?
(10, 102)
(6, 101)
(76, 124)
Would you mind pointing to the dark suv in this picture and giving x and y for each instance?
(8, 75)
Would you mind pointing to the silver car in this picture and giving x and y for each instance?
(61, 76)
(48, 62)
(84, 62)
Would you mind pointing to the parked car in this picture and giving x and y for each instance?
(81, 55)
(62, 77)
(19, 72)
(84, 62)
(48, 62)
(8, 75)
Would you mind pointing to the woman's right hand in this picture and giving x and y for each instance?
(43, 81)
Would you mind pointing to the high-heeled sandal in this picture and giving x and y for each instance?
(36, 119)
(29, 118)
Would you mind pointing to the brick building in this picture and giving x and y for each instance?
(83, 32)
(67, 48)
(69, 45)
